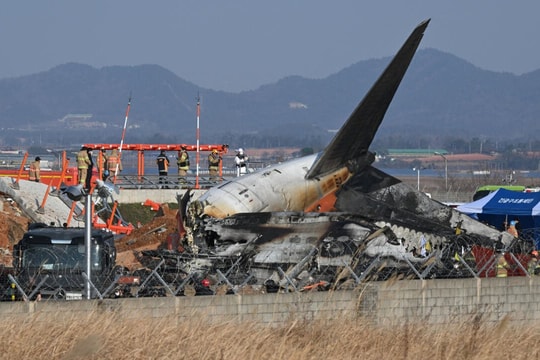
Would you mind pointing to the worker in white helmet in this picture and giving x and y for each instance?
(241, 160)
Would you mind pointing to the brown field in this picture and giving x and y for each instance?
(460, 189)
(106, 336)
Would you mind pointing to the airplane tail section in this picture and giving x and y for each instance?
(351, 143)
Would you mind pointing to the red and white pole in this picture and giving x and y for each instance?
(122, 140)
(198, 148)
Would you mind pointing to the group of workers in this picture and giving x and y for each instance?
(111, 164)
(214, 162)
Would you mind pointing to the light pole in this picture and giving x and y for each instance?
(76, 193)
(417, 169)
(445, 169)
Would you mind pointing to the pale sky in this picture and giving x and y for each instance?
(240, 45)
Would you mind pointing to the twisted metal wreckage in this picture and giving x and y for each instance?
(320, 221)
(330, 217)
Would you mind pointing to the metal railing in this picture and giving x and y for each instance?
(169, 181)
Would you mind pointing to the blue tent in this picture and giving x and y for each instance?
(506, 205)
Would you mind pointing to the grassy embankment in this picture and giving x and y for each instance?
(106, 336)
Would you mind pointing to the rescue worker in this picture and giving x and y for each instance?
(502, 266)
(458, 229)
(425, 246)
(88, 181)
(512, 229)
(113, 161)
(102, 160)
(183, 164)
(456, 260)
(517, 225)
(533, 263)
(241, 162)
(214, 159)
(162, 162)
(83, 162)
(34, 171)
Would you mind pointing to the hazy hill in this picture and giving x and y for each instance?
(441, 96)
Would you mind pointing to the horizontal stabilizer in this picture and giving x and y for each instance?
(354, 138)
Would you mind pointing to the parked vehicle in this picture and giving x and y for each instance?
(52, 260)
(50, 263)
(484, 190)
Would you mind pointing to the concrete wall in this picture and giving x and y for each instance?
(434, 301)
(129, 196)
(443, 301)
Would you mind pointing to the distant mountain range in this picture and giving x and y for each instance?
(441, 97)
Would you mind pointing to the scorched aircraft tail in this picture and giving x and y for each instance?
(310, 183)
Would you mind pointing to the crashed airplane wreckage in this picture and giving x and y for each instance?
(329, 217)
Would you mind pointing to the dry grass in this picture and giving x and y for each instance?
(105, 336)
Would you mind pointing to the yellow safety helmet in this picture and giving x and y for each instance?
(215, 151)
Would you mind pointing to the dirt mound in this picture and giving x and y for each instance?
(152, 233)
(150, 236)
(13, 225)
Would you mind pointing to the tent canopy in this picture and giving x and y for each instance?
(506, 205)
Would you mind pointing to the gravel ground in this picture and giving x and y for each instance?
(30, 196)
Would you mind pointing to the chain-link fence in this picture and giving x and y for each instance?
(332, 265)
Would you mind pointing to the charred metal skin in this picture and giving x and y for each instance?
(304, 248)
(402, 205)
(278, 188)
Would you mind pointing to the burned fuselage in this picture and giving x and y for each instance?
(298, 248)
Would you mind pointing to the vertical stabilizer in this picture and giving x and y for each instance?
(352, 142)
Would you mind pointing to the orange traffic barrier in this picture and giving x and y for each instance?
(15, 185)
(152, 204)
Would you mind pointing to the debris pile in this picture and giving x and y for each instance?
(13, 224)
(150, 236)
